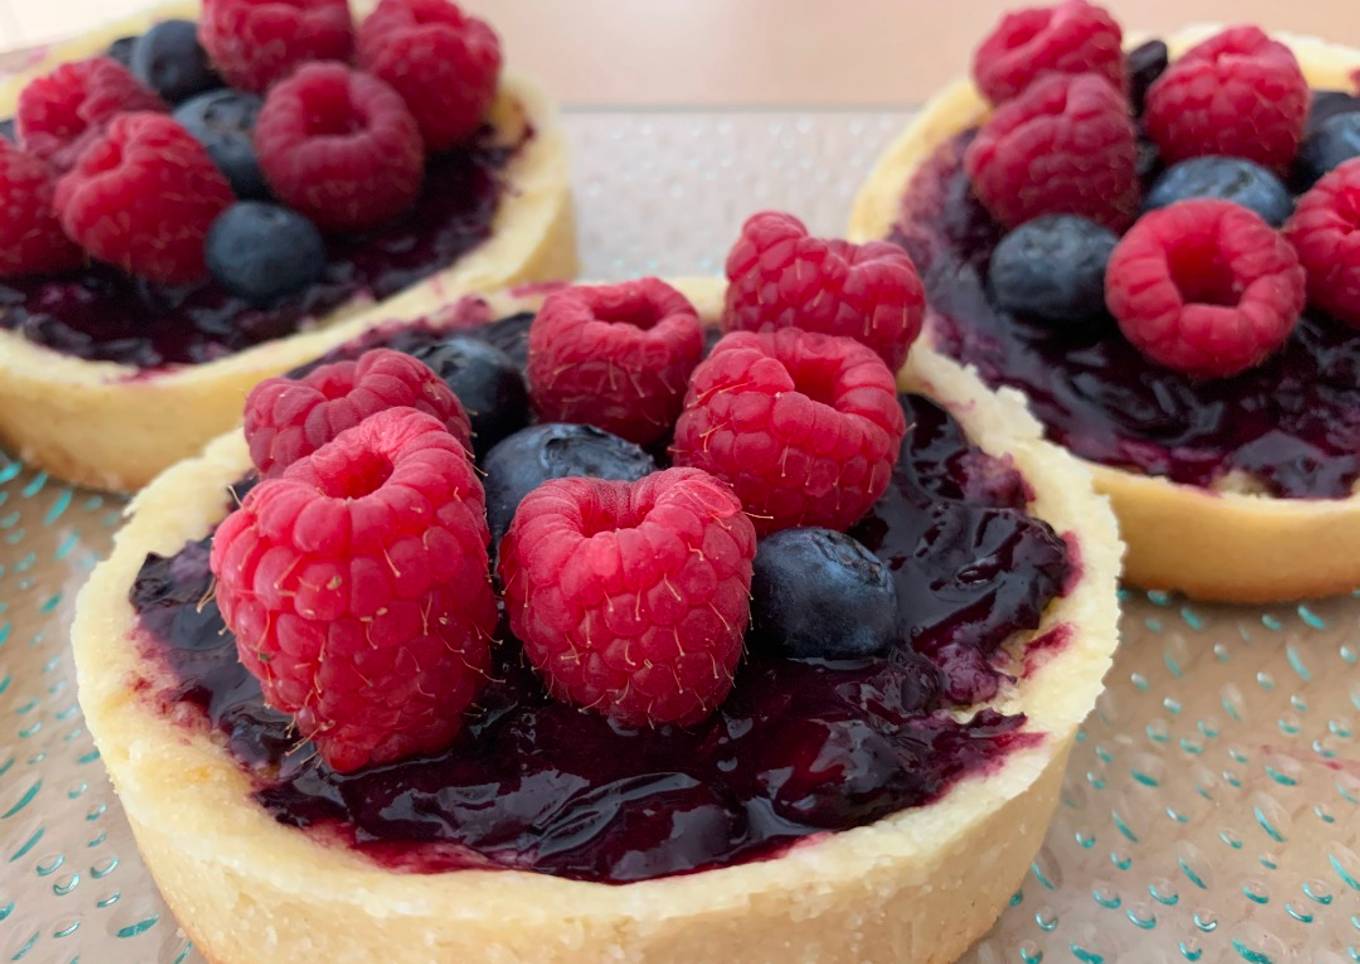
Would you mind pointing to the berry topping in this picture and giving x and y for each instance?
(442, 62)
(121, 50)
(1074, 37)
(7, 132)
(1065, 146)
(1334, 141)
(522, 462)
(61, 112)
(614, 356)
(1146, 63)
(263, 252)
(631, 598)
(358, 590)
(222, 121)
(487, 382)
(779, 277)
(804, 427)
(1325, 231)
(1053, 268)
(31, 239)
(1227, 178)
(1205, 287)
(254, 43)
(1238, 94)
(143, 196)
(169, 60)
(819, 593)
(340, 146)
(287, 419)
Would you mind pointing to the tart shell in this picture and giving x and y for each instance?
(1224, 544)
(114, 426)
(918, 886)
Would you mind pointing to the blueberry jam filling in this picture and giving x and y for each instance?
(801, 746)
(1292, 424)
(101, 314)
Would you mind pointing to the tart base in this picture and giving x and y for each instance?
(920, 885)
(1223, 545)
(112, 426)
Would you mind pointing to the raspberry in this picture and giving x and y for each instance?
(442, 62)
(631, 598)
(358, 589)
(254, 43)
(31, 239)
(1065, 146)
(614, 356)
(805, 427)
(340, 147)
(143, 196)
(1205, 287)
(780, 278)
(61, 112)
(288, 419)
(1238, 94)
(1074, 37)
(1325, 231)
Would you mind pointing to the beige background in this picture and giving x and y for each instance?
(766, 52)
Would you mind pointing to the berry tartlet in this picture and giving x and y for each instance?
(788, 661)
(193, 200)
(1158, 246)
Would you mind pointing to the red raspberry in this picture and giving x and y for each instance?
(1239, 94)
(778, 277)
(614, 356)
(631, 598)
(1325, 231)
(1074, 37)
(442, 62)
(31, 239)
(142, 197)
(1065, 146)
(805, 427)
(287, 419)
(340, 147)
(61, 112)
(358, 589)
(1205, 287)
(254, 43)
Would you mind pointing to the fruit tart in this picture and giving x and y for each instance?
(196, 199)
(584, 627)
(1160, 247)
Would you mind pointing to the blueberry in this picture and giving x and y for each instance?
(1147, 159)
(819, 593)
(1053, 268)
(1335, 141)
(487, 382)
(1327, 104)
(1146, 62)
(1230, 178)
(169, 59)
(121, 50)
(510, 335)
(222, 121)
(524, 461)
(263, 252)
(7, 130)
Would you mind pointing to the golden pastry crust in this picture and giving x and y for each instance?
(107, 425)
(919, 886)
(1229, 544)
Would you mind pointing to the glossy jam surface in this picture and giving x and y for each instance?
(801, 747)
(101, 314)
(1292, 425)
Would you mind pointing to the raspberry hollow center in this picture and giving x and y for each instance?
(366, 475)
(1202, 275)
(818, 379)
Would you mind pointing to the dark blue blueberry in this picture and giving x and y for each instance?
(1335, 141)
(1146, 62)
(1229, 178)
(7, 130)
(222, 121)
(487, 382)
(1147, 160)
(510, 335)
(527, 459)
(1327, 104)
(169, 59)
(263, 252)
(1053, 268)
(817, 593)
(121, 50)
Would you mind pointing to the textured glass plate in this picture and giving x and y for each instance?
(1212, 809)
